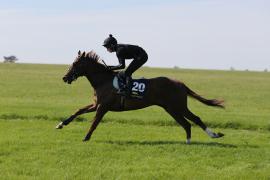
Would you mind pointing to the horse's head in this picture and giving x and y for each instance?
(84, 64)
(77, 69)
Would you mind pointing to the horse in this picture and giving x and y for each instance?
(169, 94)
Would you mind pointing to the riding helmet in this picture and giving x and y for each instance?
(110, 41)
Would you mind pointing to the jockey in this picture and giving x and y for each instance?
(123, 52)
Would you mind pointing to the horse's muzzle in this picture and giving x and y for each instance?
(66, 80)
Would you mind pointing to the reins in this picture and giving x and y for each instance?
(104, 63)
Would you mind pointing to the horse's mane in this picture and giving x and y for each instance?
(93, 57)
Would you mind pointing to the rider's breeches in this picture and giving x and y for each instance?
(136, 64)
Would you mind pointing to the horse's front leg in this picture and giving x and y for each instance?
(101, 111)
(86, 109)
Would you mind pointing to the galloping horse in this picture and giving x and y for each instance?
(161, 91)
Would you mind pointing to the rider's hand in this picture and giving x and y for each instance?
(110, 67)
(122, 73)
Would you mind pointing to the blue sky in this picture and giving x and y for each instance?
(82, 4)
(208, 34)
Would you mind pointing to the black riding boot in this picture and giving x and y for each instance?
(124, 82)
(128, 86)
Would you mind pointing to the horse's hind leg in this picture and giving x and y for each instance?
(86, 109)
(192, 117)
(182, 121)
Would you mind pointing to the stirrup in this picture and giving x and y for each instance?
(123, 92)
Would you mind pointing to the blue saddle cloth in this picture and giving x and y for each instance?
(137, 87)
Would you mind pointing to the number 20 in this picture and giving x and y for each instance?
(138, 87)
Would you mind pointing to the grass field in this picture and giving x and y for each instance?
(143, 144)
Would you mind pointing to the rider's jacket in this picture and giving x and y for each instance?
(127, 51)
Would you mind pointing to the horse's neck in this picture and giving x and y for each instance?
(99, 79)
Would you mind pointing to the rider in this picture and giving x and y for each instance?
(123, 52)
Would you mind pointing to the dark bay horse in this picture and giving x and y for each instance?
(169, 94)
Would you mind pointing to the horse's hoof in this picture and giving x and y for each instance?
(220, 134)
(86, 139)
(188, 141)
(60, 125)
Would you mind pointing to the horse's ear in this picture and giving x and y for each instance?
(79, 53)
(83, 54)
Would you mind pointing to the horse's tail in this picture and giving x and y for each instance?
(209, 102)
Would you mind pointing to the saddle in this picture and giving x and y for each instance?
(137, 87)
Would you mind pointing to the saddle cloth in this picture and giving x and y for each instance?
(137, 88)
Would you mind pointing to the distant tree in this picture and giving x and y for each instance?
(10, 59)
(232, 69)
(265, 70)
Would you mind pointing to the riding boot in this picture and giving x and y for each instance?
(123, 83)
(128, 86)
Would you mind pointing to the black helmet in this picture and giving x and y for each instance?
(110, 41)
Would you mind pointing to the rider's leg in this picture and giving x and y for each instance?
(135, 64)
(122, 80)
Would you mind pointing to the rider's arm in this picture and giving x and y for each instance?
(121, 65)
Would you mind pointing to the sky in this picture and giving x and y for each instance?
(197, 34)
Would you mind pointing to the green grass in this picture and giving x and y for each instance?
(143, 144)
